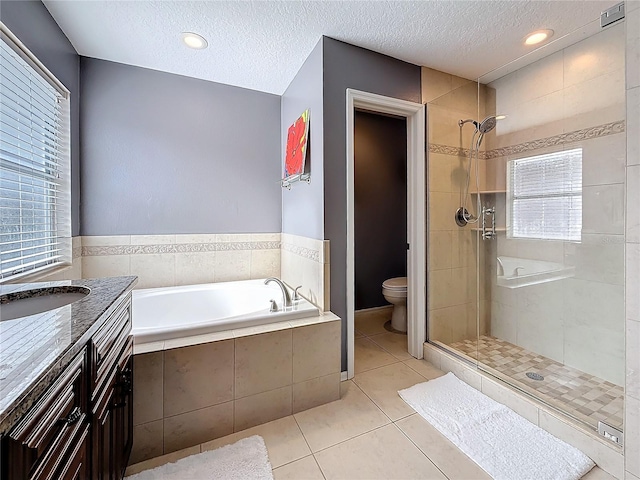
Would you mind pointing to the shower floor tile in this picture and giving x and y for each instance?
(585, 396)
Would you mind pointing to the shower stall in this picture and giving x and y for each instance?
(526, 224)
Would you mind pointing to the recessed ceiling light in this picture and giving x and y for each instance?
(538, 36)
(193, 40)
(500, 117)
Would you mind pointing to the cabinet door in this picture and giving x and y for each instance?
(103, 441)
(123, 411)
(78, 466)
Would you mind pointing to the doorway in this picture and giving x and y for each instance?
(413, 113)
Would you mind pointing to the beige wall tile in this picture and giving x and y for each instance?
(604, 456)
(263, 362)
(147, 441)
(434, 84)
(632, 385)
(232, 265)
(233, 237)
(265, 263)
(317, 391)
(316, 350)
(195, 268)
(632, 435)
(440, 249)
(595, 171)
(105, 266)
(191, 428)
(632, 58)
(633, 202)
(513, 400)
(198, 376)
(633, 126)
(154, 270)
(632, 281)
(196, 238)
(262, 408)
(147, 387)
(282, 437)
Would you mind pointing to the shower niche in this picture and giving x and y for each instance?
(526, 228)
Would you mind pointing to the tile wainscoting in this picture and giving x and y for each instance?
(305, 261)
(190, 395)
(171, 260)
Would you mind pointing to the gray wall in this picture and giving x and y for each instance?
(163, 154)
(348, 66)
(302, 206)
(31, 22)
(380, 144)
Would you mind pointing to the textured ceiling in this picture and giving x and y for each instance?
(261, 44)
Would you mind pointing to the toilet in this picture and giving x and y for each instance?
(394, 291)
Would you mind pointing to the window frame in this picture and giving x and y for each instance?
(567, 193)
(58, 211)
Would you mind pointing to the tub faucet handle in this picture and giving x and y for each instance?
(274, 306)
(296, 295)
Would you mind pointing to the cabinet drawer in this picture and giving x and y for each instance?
(108, 343)
(51, 423)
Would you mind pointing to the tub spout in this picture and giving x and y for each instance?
(286, 298)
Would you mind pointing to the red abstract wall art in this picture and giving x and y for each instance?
(296, 151)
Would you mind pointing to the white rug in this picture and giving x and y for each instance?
(246, 459)
(501, 442)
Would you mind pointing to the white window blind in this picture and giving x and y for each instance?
(35, 212)
(544, 196)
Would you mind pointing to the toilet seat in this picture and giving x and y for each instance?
(397, 284)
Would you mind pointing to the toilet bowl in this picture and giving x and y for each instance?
(394, 291)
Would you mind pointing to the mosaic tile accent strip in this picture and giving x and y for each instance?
(562, 139)
(177, 248)
(304, 252)
(584, 396)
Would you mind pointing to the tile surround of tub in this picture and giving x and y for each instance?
(171, 260)
(605, 454)
(305, 261)
(192, 394)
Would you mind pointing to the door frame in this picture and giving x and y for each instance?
(416, 215)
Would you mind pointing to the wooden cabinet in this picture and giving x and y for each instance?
(38, 446)
(82, 426)
(113, 420)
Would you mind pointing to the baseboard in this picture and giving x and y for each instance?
(373, 309)
(344, 376)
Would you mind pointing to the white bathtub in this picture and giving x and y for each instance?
(521, 272)
(176, 312)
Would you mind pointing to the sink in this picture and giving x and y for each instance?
(30, 302)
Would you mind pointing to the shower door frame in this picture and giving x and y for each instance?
(414, 113)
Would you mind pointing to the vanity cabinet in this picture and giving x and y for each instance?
(82, 426)
(50, 442)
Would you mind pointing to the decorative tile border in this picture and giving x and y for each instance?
(303, 252)
(98, 251)
(562, 139)
(76, 252)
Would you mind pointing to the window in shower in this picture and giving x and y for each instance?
(544, 196)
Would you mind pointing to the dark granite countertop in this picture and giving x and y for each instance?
(36, 348)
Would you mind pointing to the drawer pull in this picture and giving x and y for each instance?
(73, 417)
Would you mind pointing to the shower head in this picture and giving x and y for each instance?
(487, 124)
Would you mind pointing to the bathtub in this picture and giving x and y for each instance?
(175, 312)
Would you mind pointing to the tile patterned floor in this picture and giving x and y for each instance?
(370, 433)
(587, 397)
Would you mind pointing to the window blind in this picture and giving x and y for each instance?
(35, 208)
(544, 196)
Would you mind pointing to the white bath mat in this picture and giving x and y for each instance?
(246, 459)
(501, 442)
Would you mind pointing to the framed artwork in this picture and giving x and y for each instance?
(296, 149)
